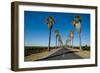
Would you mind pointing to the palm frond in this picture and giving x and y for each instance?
(50, 21)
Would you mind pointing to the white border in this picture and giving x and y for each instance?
(23, 64)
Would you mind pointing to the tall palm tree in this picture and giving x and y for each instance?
(57, 34)
(71, 37)
(77, 23)
(50, 21)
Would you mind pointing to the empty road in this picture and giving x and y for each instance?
(63, 54)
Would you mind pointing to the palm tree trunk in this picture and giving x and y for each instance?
(56, 43)
(72, 43)
(49, 40)
(80, 42)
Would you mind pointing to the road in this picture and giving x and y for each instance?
(63, 54)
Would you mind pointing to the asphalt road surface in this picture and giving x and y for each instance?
(63, 54)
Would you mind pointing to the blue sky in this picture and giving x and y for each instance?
(36, 31)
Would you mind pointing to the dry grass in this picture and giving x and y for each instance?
(83, 53)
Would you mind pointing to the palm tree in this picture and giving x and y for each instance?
(77, 23)
(71, 37)
(57, 34)
(50, 21)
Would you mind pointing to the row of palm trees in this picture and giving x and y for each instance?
(58, 37)
(76, 23)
